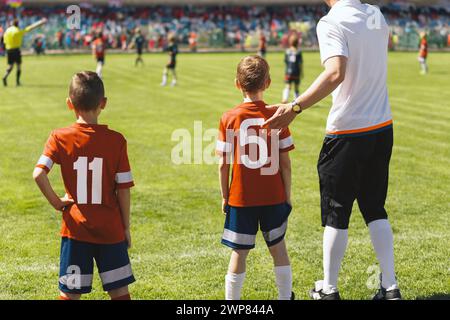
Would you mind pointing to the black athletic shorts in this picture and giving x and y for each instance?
(14, 56)
(292, 79)
(101, 60)
(139, 50)
(354, 168)
(171, 65)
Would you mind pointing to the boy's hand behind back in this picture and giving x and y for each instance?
(63, 203)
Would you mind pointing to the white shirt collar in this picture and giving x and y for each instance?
(341, 3)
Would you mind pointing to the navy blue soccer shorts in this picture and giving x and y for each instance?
(242, 224)
(77, 266)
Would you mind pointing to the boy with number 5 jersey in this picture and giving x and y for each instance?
(96, 207)
(258, 196)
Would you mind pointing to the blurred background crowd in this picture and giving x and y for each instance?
(209, 27)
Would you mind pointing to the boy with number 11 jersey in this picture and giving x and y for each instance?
(96, 208)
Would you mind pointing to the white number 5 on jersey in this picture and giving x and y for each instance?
(245, 139)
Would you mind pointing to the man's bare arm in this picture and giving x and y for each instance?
(36, 25)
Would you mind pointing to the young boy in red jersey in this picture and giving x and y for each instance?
(423, 53)
(99, 50)
(262, 44)
(96, 207)
(260, 188)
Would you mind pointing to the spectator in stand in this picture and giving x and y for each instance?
(238, 24)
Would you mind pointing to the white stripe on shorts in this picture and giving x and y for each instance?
(239, 238)
(275, 233)
(116, 274)
(76, 281)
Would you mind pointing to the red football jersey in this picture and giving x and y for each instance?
(256, 179)
(94, 164)
(262, 42)
(99, 48)
(423, 52)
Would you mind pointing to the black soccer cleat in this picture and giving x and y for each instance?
(292, 295)
(5, 84)
(320, 295)
(317, 293)
(383, 294)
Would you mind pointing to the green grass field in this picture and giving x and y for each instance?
(176, 218)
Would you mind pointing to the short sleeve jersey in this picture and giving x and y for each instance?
(99, 48)
(254, 152)
(423, 52)
(173, 51)
(94, 165)
(139, 41)
(360, 33)
(293, 60)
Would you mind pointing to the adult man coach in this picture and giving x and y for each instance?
(13, 42)
(354, 160)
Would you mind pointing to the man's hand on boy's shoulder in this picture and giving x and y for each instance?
(283, 116)
(63, 202)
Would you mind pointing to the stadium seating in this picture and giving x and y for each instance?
(214, 26)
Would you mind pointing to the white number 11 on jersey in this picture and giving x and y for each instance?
(96, 166)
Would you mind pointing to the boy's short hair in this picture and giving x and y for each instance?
(253, 73)
(86, 91)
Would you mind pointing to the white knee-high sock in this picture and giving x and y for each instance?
(164, 78)
(383, 243)
(233, 285)
(334, 246)
(283, 279)
(286, 93)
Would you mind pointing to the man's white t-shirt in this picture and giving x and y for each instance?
(360, 33)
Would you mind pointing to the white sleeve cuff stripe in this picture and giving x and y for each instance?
(124, 177)
(286, 142)
(45, 161)
(223, 146)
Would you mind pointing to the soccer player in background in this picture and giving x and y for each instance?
(193, 41)
(262, 44)
(172, 49)
(260, 189)
(293, 60)
(138, 42)
(96, 207)
(99, 51)
(423, 53)
(12, 39)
